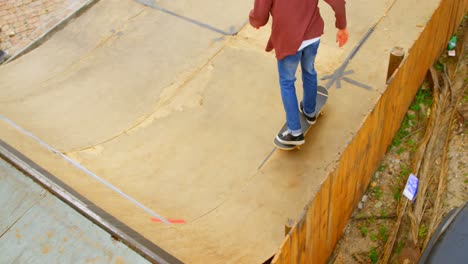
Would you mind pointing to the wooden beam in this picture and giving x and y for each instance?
(397, 54)
(287, 227)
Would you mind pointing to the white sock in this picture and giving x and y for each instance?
(309, 115)
(296, 133)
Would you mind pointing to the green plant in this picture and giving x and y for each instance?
(399, 247)
(411, 117)
(423, 97)
(383, 233)
(377, 191)
(465, 97)
(397, 193)
(363, 230)
(403, 132)
(373, 255)
(422, 231)
(383, 212)
(371, 219)
(401, 150)
(411, 142)
(405, 171)
(373, 237)
(382, 167)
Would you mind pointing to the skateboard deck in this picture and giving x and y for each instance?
(322, 96)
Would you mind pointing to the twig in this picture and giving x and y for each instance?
(388, 248)
(403, 139)
(377, 217)
(358, 258)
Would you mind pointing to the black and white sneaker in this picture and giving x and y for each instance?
(288, 139)
(310, 120)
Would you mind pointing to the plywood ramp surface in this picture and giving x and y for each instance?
(181, 118)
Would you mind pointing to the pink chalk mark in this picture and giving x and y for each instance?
(172, 221)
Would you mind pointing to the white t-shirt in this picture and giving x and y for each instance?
(308, 42)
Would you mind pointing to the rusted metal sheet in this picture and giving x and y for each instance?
(37, 227)
(17, 196)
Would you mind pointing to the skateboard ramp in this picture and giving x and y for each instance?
(152, 111)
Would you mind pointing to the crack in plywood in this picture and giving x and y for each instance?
(167, 103)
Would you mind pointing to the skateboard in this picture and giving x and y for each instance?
(322, 96)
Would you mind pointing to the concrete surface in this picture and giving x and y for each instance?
(39, 228)
(181, 118)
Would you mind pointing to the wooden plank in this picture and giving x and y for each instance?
(324, 215)
(286, 251)
(294, 245)
(302, 235)
(313, 234)
(18, 194)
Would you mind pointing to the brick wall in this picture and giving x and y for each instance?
(22, 21)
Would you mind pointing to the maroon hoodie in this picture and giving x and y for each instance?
(293, 22)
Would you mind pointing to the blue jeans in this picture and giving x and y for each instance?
(287, 77)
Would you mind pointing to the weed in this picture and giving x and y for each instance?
(377, 191)
(422, 231)
(465, 97)
(411, 117)
(383, 212)
(364, 231)
(423, 97)
(383, 233)
(400, 150)
(397, 193)
(373, 237)
(403, 132)
(400, 246)
(382, 168)
(411, 142)
(373, 255)
(405, 171)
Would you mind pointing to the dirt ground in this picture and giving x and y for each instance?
(370, 225)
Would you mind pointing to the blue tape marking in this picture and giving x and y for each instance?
(232, 30)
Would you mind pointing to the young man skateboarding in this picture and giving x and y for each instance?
(295, 37)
